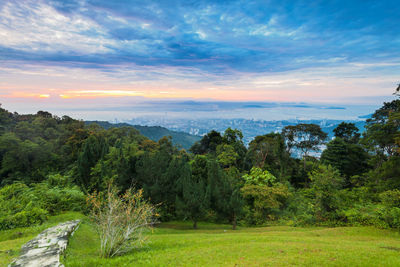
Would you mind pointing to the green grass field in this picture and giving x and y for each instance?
(175, 244)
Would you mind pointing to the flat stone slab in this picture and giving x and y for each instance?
(45, 249)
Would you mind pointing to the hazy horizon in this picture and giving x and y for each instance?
(153, 110)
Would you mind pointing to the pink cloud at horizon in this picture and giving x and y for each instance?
(30, 83)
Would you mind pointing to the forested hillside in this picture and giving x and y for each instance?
(50, 164)
(155, 133)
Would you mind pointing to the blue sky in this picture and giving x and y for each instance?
(329, 51)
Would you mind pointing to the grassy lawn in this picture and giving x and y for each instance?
(175, 244)
(12, 240)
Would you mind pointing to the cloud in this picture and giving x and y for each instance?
(240, 49)
(327, 84)
(39, 28)
(247, 36)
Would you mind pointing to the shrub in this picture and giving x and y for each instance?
(121, 221)
(263, 195)
(299, 210)
(58, 199)
(19, 207)
(391, 201)
(263, 202)
(390, 198)
(23, 218)
(392, 217)
(326, 183)
(258, 176)
(365, 214)
(22, 206)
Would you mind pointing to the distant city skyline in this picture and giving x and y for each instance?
(59, 55)
(169, 112)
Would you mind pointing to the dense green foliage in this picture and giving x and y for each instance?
(155, 133)
(21, 205)
(49, 164)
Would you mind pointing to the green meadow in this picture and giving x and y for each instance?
(176, 244)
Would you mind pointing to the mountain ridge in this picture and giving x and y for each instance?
(155, 133)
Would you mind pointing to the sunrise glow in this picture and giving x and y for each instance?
(55, 51)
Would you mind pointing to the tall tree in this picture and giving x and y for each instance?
(264, 196)
(192, 198)
(6, 119)
(234, 138)
(269, 152)
(25, 161)
(226, 155)
(151, 169)
(326, 182)
(305, 137)
(350, 159)
(208, 144)
(94, 148)
(348, 132)
(381, 132)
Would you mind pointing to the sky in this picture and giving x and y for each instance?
(116, 53)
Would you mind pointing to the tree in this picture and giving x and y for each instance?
(269, 152)
(394, 119)
(71, 141)
(25, 161)
(234, 138)
(263, 196)
(208, 144)
(348, 132)
(94, 148)
(229, 202)
(381, 132)
(226, 155)
(326, 182)
(118, 164)
(305, 137)
(262, 147)
(44, 114)
(397, 91)
(386, 175)
(223, 186)
(236, 204)
(192, 198)
(178, 167)
(6, 119)
(350, 159)
(259, 177)
(157, 171)
(382, 139)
